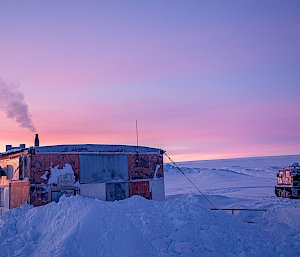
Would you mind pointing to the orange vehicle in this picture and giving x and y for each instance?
(288, 182)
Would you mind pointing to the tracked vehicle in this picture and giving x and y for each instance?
(288, 182)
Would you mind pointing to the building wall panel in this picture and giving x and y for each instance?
(101, 168)
(117, 191)
(145, 166)
(41, 164)
(6, 197)
(106, 176)
(19, 193)
(39, 194)
(10, 166)
(141, 188)
(157, 188)
(97, 190)
(45, 177)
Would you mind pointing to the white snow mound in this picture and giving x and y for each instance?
(181, 226)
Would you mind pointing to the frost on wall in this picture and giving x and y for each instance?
(43, 164)
(60, 176)
(51, 174)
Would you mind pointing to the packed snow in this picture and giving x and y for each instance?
(182, 225)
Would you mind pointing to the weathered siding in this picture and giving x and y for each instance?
(43, 182)
(41, 163)
(101, 168)
(141, 188)
(117, 191)
(108, 176)
(4, 187)
(144, 166)
(39, 194)
(10, 166)
(18, 193)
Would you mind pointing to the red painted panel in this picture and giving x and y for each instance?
(141, 188)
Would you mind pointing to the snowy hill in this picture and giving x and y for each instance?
(244, 177)
(183, 225)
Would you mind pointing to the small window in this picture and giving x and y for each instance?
(55, 195)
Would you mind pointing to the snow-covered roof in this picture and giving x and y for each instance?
(14, 151)
(95, 148)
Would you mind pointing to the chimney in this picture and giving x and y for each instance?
(36, 140)
(8, 147)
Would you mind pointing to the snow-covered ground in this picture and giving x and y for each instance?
(183, 225)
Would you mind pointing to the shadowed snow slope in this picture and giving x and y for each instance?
(180, 226)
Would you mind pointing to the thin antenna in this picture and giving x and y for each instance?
(137, 134)
(137, 144)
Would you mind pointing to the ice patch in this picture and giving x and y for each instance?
(156, 170)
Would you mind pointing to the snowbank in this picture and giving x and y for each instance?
(182, 226)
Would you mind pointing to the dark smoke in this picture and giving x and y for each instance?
(13, 104)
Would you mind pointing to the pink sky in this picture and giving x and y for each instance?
(205, 80)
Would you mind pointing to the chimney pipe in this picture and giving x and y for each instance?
(8, 147)
(36, 140)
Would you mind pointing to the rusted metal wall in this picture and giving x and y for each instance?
(40, 163)
(18, 193)
(39, 174)
(144, 166)
(101, 168)
(141, 188)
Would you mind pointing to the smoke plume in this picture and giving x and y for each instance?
(13, 104)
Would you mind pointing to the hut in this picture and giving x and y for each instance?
(42, 174)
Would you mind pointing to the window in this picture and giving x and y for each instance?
(55, 195)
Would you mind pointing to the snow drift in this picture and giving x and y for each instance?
(181, 226)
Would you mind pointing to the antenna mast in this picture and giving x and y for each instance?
(137, 134)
